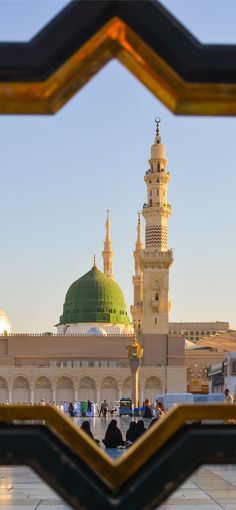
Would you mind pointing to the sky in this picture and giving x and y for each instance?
(60, 173)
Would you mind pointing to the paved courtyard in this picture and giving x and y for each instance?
(209, 488)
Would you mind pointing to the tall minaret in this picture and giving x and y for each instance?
(156, 258)
(136, 308)
(108, 253)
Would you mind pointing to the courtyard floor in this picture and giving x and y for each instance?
(209, 488)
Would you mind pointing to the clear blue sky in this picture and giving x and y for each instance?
(60, 173)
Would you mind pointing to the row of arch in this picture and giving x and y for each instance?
(109, 389)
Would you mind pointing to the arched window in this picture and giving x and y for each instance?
(21, 390)
(87, 389)
(42, 389)
(109, 391)
(152, 388)
(64, 390)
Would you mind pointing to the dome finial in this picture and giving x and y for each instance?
(94, 261)
(157, 121)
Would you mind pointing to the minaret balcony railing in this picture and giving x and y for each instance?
(136, 309)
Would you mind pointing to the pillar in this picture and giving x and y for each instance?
(54, 393)
(134, 367)
(10, 394)
(32, 395)
(98, 396)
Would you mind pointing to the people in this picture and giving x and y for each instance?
(86, 428)
(228, 397)
(147, 413)
(160, 410)
(139, 430)
(103, 409)
(71, 410)
(113, 436)
(130, 434)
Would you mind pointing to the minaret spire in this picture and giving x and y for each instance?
(139, 242)
(136, 308)
(108, 253)
(151, 278)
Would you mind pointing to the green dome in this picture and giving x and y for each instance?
(94, 298)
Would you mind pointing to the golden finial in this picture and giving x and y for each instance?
(157, 121)
(94, 261)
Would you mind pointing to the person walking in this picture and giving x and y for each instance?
(103, 409)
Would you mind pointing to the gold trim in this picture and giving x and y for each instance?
(115, 474)
(117, 40)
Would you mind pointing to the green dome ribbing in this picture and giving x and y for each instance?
(94, 298)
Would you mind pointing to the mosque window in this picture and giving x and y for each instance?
(157, 192)
(150, 193)
(234, 367)
(208, 332)
(202, 333)
(155, 320)
(150, 202)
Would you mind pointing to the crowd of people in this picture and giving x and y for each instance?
(91, 409)
(113, 436)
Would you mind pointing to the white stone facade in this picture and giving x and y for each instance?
(32, 383)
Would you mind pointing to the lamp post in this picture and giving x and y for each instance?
(135, 353)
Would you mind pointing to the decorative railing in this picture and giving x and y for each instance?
(81, 472)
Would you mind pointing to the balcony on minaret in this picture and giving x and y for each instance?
(156, 304)
(136, 309)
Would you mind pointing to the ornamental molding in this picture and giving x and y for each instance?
(156, 259)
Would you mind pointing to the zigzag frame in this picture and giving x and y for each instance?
(86, 477)
(40, 76)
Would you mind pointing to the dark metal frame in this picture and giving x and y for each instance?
(193, 445)
(155, 25)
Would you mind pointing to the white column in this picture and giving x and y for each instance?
(98, 396)
(32, 395)
(10, 394)
(76, 394)
(54, 393)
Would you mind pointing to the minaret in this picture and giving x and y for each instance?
(107, 253)
(136, 308)
(156, 258)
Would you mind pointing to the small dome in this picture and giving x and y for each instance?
(94, 298)
(5, 326)
(97, 331)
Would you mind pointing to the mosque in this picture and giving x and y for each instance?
(87, 357)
